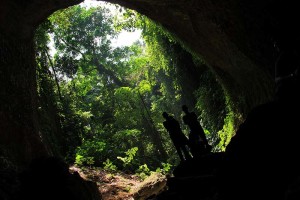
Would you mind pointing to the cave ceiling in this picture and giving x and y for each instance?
(235, 38)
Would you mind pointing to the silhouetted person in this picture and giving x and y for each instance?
(178, 138)
(263, 158)
(197, 138)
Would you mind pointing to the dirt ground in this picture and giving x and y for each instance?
(116, 186)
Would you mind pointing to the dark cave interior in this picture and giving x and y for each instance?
(240, 40)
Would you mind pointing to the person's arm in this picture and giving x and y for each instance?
(193, 114)
(183, 119)
(165, 124)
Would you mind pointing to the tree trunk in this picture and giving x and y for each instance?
(154, 134)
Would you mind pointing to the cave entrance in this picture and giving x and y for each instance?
(106, 100)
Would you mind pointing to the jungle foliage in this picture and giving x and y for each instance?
(101, 105)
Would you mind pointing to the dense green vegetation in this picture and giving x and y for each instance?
(101, 105)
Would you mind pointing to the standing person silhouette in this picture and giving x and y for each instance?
(197, 138)
(178, 138)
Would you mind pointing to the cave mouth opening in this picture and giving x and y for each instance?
(106, 100)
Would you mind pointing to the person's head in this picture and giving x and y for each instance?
(165, 115)
(185, 108)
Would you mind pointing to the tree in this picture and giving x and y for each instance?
(96, 69)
